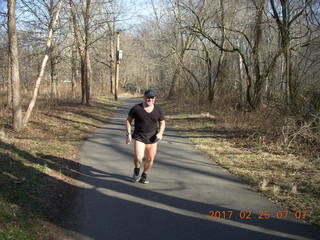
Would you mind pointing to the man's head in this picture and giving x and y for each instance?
(149, 96)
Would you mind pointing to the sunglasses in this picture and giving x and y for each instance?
(150, 97)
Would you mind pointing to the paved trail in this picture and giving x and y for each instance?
(184, 186)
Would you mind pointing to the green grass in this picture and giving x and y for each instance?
(19, 233)
(15, 222)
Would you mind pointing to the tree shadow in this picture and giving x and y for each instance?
(106, 205)
(117, 208)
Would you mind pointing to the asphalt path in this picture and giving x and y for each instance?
(188, 197)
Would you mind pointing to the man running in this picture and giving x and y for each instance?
(146, 117)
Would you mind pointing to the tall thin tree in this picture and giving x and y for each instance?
(52, 25)
(14, 67)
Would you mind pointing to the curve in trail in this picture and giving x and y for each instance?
(184, 187)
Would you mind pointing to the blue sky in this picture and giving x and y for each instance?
(141, 8)
(138, 10)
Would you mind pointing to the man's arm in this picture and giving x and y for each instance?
(161, 130)
(128, 124)
(128, 129)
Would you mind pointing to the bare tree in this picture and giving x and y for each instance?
(286, 13)
(183, 43)
(73, 62)
(9, 84)
(52, 25)
(14, 67)
(111, 28)
(229, 38)
(83, 48)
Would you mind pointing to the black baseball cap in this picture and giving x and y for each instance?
(150, 93)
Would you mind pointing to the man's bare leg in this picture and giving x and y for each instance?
(151, 150)
(139, 148)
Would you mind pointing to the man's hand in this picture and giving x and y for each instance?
(128, 140)
(128, 129)
(161, 130)
(159, 136)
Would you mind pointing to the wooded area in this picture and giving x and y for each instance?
(235, 55)
(239, 79)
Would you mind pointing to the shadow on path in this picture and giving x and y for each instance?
(122, 209)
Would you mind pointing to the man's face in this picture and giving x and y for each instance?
(149, 100)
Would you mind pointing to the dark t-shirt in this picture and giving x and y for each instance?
(145, 122)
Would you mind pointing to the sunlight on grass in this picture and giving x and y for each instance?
(291, 180)
(35, 166)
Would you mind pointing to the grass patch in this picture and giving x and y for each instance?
(289, 179)
(38, 166)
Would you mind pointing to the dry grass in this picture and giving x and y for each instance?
(247, 145)
(39, 166)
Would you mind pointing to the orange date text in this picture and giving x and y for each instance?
(260, 214)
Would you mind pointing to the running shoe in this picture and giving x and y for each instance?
(143, 179)
(135, 176)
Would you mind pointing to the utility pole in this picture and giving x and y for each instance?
(118, 57)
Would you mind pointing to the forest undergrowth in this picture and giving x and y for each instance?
(276, 154)
(39, 167)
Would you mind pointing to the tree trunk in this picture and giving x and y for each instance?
(289, 80)
(111, 57)
(43, 65)
(86, 50)
(73, 58)
(80, 47)
(88, 78)
(210, 80)
(182, 43)
(83, 49)
(258, 79)
(83, 79)
(53, 84)
(14, 67)
(53, 73)
(213, 80)
(74, 70)
(174, 82)
(242, 80)
(284, 21)
(9, 84)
